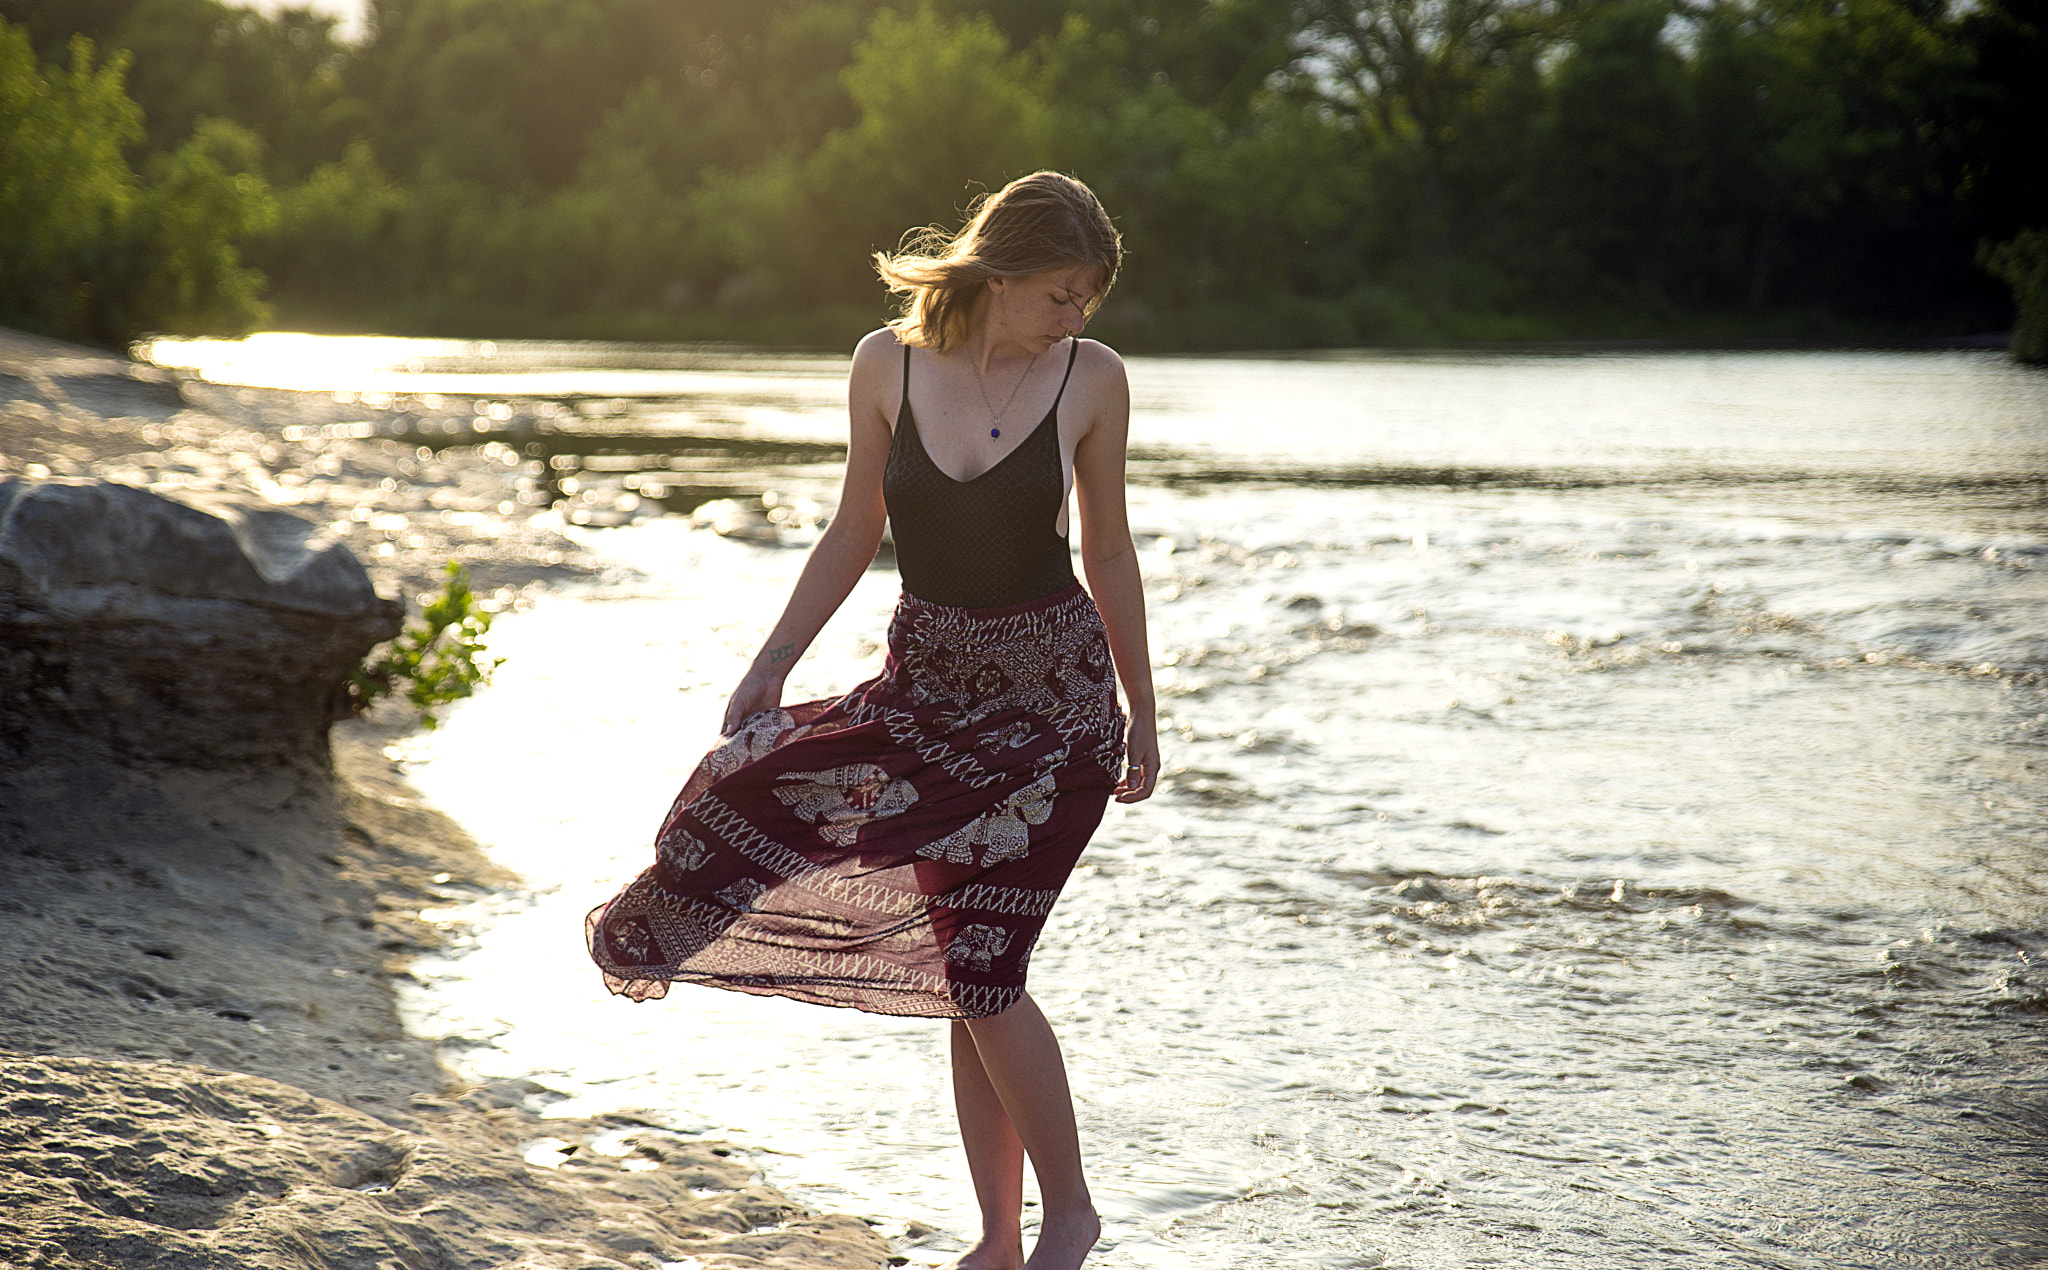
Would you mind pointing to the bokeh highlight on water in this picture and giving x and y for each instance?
(1604, 822)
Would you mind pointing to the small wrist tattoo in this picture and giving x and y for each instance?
(784, 653)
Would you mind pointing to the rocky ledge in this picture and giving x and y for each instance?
(202, 629)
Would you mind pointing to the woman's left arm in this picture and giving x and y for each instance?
(1110, 561)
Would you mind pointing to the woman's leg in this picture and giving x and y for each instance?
(995, 1160)
(1020, 1064)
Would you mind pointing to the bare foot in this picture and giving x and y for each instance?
(991, 1254)
(1064, 1241)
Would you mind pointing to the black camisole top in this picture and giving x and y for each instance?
(985, 543)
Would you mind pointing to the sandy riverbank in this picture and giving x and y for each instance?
(201, 1063)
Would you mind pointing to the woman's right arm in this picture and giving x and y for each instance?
(847, 546)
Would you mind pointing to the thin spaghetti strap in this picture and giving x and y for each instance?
(1073, 350)
(906, 378)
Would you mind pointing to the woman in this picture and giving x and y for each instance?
(898, 849)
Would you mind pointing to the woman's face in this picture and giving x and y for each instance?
(1039, 310)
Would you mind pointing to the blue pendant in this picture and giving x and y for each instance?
(995, 432)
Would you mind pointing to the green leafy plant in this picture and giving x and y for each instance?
(439, 661)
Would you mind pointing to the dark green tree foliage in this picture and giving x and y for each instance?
(51, 24)
(1615, 146)
(1285, 171)
(1996, 121)
(2023, 263)
(278, 76)
(507, 94)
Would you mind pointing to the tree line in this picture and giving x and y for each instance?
(1285, 172)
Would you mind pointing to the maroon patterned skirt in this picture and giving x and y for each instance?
(895, 850)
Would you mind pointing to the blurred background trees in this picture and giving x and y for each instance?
(1286, 172)
(94, 250)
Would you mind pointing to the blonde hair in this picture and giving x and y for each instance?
(1035, 224)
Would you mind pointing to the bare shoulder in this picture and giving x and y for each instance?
(877, 349)
(1097, 363)
(874, 381)
(1101, 384)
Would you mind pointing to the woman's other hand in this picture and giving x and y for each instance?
(758, 691)
(1141, 763)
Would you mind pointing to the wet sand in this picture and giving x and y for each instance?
(201, 1062)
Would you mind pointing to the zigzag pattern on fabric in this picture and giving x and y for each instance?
(961, 766)
(980, 1002)
(1074, 721)
(1069, 720)
(859, 968)
(716, 919)
(787, 864)
(1074, 725)
(742, 834)
(1011, 900)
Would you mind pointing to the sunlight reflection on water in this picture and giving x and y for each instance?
(1637, 869)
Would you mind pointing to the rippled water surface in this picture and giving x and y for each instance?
(1607, 817)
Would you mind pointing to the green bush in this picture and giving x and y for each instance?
(330, 230)
(436, 663)
(87, 249)
(67, 193)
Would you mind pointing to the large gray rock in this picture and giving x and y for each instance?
(202, 630)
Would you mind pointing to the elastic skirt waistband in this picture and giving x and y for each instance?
(1065, 595)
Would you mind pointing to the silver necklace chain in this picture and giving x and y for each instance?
(994, 414)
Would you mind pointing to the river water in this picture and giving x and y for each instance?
(1605, 825)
